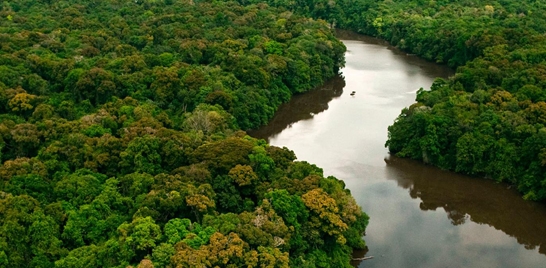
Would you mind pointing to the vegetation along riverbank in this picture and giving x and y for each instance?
(120, 139)
(489, 118)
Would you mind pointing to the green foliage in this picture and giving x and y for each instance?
(141, 234)
(261, 162)
(273, 47)
(142, 155)
(290, 207)
(177, 230)
(162, 254)
(120, 141)
(96, 131)
(80, 257)
(302, 169)
(481, 121)
(79, 188)
(224, 223)
(32, 185)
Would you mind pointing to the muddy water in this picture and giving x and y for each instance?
(420, 216)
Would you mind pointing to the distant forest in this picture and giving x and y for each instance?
(121, 141)
(489, 119)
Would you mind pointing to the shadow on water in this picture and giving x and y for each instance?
(484, 224)
(358, 255)
(350, 35)
(472, 199)
(301, 107)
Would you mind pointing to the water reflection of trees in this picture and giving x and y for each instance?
(479, 200)
(358, 255)
(302, 107)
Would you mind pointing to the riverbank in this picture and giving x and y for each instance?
(420, 216)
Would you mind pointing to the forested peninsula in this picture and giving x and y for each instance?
(121, 141)
(489, 118)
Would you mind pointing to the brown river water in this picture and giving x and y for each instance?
(420, 216)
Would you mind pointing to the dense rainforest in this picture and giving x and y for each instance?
(121, 141)
(489, 119)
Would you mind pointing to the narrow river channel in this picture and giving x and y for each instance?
(420, 216)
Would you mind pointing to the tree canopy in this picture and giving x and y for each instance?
(121, 141)
(489, 118)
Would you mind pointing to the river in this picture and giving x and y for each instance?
(420, 216)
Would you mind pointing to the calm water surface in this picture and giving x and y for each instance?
(420, 216)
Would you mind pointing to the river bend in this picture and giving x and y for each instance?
(420, 216)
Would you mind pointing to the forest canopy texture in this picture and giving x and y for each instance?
(120, 139)
(489, 119)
